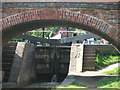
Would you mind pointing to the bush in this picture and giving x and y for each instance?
(106, 58)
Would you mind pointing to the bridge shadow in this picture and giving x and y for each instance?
(93, 81)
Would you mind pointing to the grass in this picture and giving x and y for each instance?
(75, 85)
(106, 58)
(109, 82)
(103, 59)
(72, 86)
(115, 71)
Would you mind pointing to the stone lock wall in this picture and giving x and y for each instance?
(23, 70)
(29, 67)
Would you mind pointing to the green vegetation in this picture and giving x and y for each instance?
(106, 58)
(17, 40)
(75, 85)
(54, 30)
(115, 71)
(47, 34)
(109, 82)
(72, 86)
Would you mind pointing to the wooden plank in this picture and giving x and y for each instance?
(76, 38)
(39, 39)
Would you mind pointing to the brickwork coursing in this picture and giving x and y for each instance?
(107, 12)
(102, 17)
(48, 14)
(110, 16)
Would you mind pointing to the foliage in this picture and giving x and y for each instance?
(16, 40)
(53, 29)
(72, 86)
(47, 34)
(38, 34)
(106, 58)
(115, 71)
(109, 82)
(75, 85)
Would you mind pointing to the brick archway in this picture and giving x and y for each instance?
(19, 23)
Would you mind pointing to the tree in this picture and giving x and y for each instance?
(47, 34)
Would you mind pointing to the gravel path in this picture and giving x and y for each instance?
(89, 82)
(90, 78)
(110, 67)
(99, 72)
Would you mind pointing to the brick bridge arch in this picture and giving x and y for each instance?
(19, 23)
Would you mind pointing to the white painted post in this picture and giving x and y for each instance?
(76, 59)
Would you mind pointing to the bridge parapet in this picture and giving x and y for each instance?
(105, 11)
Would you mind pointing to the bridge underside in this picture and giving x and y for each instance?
(18, 29)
